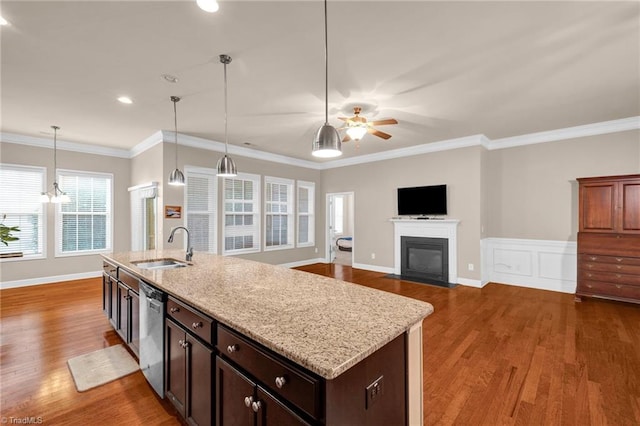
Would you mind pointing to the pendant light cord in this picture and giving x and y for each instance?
(326, 67)
(175, 126)
(225, 110)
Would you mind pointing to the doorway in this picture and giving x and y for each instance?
(340, 228)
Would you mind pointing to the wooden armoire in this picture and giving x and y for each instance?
(609, 238)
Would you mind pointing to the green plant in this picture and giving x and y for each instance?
(5, 232)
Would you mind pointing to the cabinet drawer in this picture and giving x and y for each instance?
(610, 277)
(282, 378)
(129, 280)
(198, 323)
(616, 260)
(611, 267)
(597, 288)
(620, 245)
(110, 269)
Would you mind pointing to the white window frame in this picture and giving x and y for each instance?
(42, 214)
(311, 214)
(213, 239)
(290, 206)
(109, 215)
(256, 179)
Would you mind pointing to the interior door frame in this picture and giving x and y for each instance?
(327, 228)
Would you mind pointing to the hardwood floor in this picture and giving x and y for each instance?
(497, 355)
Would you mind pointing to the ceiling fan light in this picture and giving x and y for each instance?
(226, 167)
(326, 143)
(176, 178)
(357, 132)
(208, 5)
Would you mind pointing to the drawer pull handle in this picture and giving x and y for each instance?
(255, 406)
(196, 325)
(589, 265)
(174, 310)
(233, 348)
(618, 275)
(248, 400)
(619, 259)
(589, 286)
(589, 275)
(592, 258)
(183, 344)
(618, 266)
(280, 382)
(618, 286)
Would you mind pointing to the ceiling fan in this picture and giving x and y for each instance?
(357, 126)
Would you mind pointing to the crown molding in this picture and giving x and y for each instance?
(602, 128)
(605, 127)
(63, 145)
(445, 145)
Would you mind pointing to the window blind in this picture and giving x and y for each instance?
(241, 231)
(84, 225)
(200, 207)
(278, 213)
(20, 202)
(306, 213)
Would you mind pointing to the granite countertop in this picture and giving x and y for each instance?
(323, 324)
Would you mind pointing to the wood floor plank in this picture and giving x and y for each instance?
(500, 355)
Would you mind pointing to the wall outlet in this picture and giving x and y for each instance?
(374, 392)
(373, 255)
(471, 266)
(316, 249)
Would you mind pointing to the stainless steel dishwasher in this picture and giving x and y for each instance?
(152, 302)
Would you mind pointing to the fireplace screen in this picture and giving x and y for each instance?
(425, 259)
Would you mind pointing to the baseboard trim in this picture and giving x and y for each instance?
(303, 262)
(471, 283)
(49, 280)
(374, 268)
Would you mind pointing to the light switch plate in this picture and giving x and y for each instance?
(374, 392)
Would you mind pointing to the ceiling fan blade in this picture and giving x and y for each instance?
(379, 134)
(383, 122)
(346, 138)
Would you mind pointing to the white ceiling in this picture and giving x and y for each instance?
(442, 69)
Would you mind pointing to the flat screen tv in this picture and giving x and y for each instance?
(422, 200)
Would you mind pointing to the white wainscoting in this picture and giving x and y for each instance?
(541, 264)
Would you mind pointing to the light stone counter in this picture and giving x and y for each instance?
(320, 323)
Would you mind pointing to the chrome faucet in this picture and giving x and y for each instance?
(189, 254)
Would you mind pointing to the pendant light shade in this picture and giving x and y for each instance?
(226, 166)
(57, 195)
(326, 143)
(176, 178)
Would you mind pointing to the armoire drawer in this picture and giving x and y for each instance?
(609, 277)
(597, 288)
(620, 268)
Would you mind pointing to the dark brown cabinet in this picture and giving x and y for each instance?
(241, 401)
(121, 304)
(609, 238)
(188, 365)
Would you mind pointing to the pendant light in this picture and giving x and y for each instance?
(326, 143)
(226, 166)
(176, 178)
(57, 196)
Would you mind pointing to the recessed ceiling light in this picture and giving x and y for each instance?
(125, 100)
(3, 21)
(170, 78)
(208, 5)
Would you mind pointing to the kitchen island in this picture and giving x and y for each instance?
(351, 354)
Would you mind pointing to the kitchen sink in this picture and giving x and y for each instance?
(160, 264)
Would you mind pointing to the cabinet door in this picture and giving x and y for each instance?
(598, 207)
(134, 321)
(199, 382)
(176, 366)
(113, 314)
(234, 395)
(122, 323)
(272, 412)
(629, 206)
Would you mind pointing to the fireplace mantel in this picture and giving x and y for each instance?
(432, 228)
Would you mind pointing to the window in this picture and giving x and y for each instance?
(306, 214)
(278, 213)
(241, 214)
(20, 202)
(84, 225)
(201, 208)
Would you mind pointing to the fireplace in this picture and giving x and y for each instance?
(425, 260)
